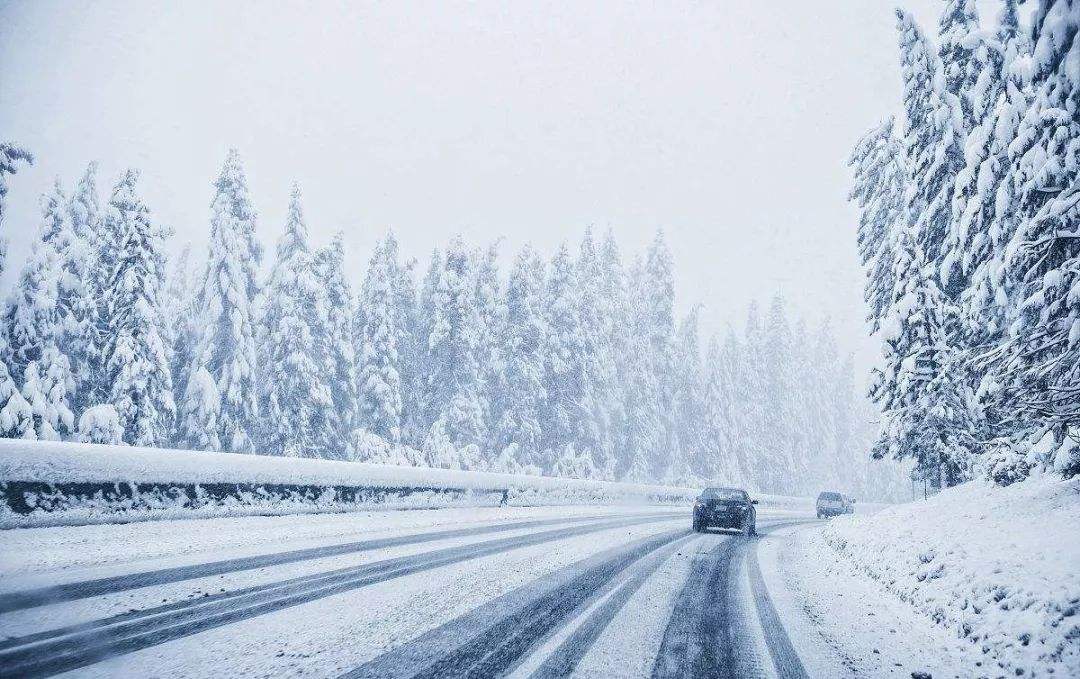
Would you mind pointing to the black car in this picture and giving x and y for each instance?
(725, 508)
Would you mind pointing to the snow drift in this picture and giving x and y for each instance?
(51, 483)
(998, 566)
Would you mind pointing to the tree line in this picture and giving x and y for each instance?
(970, 234)
(574, 366)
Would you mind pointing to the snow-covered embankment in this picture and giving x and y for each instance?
(998, 567)
(44, 484)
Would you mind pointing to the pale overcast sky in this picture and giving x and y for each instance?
(726, 123)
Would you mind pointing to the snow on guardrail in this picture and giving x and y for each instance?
(53, 483)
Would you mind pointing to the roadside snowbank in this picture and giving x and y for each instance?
(998, 567)
(50, 483)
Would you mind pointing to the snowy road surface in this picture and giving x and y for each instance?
(523, 592)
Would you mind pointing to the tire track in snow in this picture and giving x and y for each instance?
(706, 633)
(697, 641)
(491, 640)
(565, 658)
(81, 645)
(785, 659)
(15, 601)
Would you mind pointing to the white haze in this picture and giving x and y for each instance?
(724, 123)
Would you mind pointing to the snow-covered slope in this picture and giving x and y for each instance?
(1000, 567)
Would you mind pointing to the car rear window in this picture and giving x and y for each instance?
(723, 494)
(830, 496)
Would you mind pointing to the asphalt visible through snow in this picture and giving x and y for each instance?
(553, 614)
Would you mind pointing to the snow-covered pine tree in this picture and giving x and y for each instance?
(647, 430)
(226, 349)
(783, 462)
(411, 345)
(596, 311)
(518, 435)
(562, 370)
(961, 58)
(1042, 360)
(16, 418)
(689, 394)
(420, 405)
(878, 188)
(101, 424)
(568, 424)
(719, 461)
(380, 380)
(47, 388)
(756, 426)
(933, 139)
(919, 393)
(992, 213)
(31, 319)
(452, 376)
(617, 325)
(135, 353)
(335, 337)
(658, 304)
(11, 155)
(180, 317)
(296, 399)
(491, 312)
(79, 288)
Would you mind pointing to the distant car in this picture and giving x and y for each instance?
(725, 508)
(834, 504)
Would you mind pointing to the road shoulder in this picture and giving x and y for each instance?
(841, 624)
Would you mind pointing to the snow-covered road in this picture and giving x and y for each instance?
(524, 592)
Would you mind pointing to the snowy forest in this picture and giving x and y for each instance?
(970, 236)
(573, 366)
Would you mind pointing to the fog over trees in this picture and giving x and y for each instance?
(573, 365)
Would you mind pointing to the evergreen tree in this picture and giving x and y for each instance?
(79, 287)
(16, 419)
(657, 296)
(47, 388)
(226, 349)
(296, 399)
(380, 379)
(917, 389)
(616, 326)
(933, 144)
(32, 316)
(452, 376)
(962, 63)
(180, 318)
(990, 216)
(689, 393)
(491, 312)
(783, 461)
(756, 427)
(596, 312)
(135, 353)
(518, 434)
(719, 461)
(878, 190)
(11, 155)
(564, 372)
(1041, 368)
(647, 430)
(335, 338)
